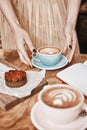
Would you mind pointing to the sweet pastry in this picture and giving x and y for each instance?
(15, 78)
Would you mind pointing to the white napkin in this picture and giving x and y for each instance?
(33, 79)
(76, 76)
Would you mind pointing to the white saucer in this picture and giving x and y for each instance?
(42, 123)
(63, 62)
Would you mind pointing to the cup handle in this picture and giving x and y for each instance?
(34, 55)
(84, 110)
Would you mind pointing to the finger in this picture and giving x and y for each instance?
(70, 56)
(68, 44)
(65, 47)
(71, 51)
(24, 57)
(21, 58)
(29, 42)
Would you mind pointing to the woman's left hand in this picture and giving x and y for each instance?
(71, 40)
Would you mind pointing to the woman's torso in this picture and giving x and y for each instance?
(44, 20)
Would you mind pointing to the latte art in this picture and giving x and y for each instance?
(49, 50)
(61, 97)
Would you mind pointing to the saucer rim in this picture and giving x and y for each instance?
(37, 125)
(53, 67)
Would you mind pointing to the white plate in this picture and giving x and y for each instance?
(42, 123)
(76, 76)
(63, 62)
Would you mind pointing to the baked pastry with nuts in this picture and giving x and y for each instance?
(15, 78)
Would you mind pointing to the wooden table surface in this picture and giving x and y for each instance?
(18, 117)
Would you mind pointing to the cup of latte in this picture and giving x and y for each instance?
(48, 56)
(61, 103)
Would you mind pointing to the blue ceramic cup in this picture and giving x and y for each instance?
(48, 56)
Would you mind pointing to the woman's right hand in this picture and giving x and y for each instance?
(20, 35)
(22, 38)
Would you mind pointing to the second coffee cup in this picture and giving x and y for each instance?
(61, 103)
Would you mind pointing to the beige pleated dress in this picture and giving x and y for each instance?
(44, 20)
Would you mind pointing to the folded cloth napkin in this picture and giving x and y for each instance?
(33, 79)
(76, 76)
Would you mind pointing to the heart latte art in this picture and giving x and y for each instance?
(61, 97)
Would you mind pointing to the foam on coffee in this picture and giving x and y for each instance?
(61, 97)
(49, 50)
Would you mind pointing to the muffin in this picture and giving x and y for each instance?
(15, 78)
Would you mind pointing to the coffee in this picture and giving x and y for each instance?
(49, 50)
(61, 103)
(48, 56)
(61, 97)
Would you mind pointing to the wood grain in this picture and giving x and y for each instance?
(7, 101)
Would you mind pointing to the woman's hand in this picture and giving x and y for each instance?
(70, 34)
(22, 39)
(70, 42)
(21, 36)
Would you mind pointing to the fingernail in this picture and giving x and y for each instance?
(34, 50)
(70, 46)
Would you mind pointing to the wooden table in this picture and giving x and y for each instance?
(18, 118)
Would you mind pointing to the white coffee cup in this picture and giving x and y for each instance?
(64, 114)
